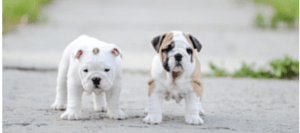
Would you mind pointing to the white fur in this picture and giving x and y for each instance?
(166, 87)
(72, 81)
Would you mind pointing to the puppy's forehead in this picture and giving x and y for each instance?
(180, 39)
(178, 36)
(96, 64)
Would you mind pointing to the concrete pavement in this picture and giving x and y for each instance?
(231, 105)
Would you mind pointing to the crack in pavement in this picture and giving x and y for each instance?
(29, 69)
(127, 71)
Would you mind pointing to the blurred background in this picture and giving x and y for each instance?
(35, 32)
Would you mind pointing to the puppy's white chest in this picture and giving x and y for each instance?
(176, 92)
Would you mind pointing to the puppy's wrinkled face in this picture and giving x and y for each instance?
(96, 75)
(176, 50)
(96, 69)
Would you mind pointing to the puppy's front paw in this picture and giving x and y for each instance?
(71, 114)
(117, 114)
(153, 119)
(58, 105)
(193, 119)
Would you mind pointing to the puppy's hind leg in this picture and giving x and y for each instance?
(100, 102)
(61, 88)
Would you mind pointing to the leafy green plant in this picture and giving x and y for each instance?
(286, 68)
(281, 68)
(260, 21)
(285, 10)
(216, 71)
(248, 71)
(14, 10)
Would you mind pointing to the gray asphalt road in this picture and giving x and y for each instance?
(231, 105)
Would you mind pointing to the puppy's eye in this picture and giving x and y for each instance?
(85, 70)
(189, 50)
(106, 70)
(169, 48)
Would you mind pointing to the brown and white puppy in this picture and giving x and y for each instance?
(175, 73)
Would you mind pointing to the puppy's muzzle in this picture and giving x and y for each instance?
(178, 57)
(96, 81)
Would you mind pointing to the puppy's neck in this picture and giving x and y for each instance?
(173, 77)
(178, 77)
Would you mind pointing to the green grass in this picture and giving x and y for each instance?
(14, 10)
(248, 71)
(285, 10)
(216, 71)
(281, 69)
(285, 68)
(260, 21)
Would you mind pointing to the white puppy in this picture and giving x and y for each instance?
(92, 66)
(175, 73)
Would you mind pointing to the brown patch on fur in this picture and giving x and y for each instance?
(175, 74)
(188, 38)
(167, 40)
(197, 79)
(151, 85)
(95, 50)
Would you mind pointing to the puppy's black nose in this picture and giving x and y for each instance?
(96, 80)
(178, 57)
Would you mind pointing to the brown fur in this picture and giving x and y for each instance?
(197, 79)
(151, 85)
(95, 50)
(167, 40)
(196, 76)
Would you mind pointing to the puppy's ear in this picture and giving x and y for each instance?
(78, 54)
(197, 45)
(157, 41)
(116, 51)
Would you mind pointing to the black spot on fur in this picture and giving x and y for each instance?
(169, 48)
(166, 65)
(190, 52)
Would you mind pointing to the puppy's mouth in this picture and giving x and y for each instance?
(175, 74)
(97, 87)
(177, 67)
(178, 64)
